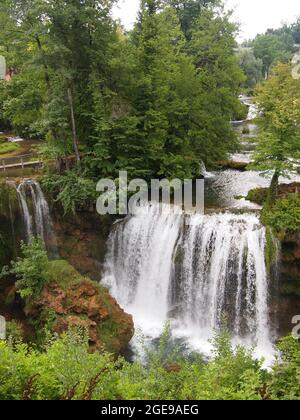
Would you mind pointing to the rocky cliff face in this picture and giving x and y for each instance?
(287, 301)
(72, 300)
(81, 240)
(289, 285)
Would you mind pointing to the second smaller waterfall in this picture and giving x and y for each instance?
(36, 214)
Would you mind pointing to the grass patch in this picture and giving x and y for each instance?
(8, 148)
(62, 273)
(107, 331)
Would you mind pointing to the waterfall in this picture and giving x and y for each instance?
(13, 232)
(21, 190)
(192, 270)
(140, 263)
(203, 171)
(253, 112)
(36, 214)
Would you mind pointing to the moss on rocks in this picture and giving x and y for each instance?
(229, 164)
(258, 195)
(70, 299)
(271, 251)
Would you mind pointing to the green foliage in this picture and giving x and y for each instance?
(66, 365)
(279, 140)
(285, 383)
(30, 269)
(67, 370)
(188, 11)
(72, 190)
(258, 195)
(62, 273)
(14, 332)
(147, 101)
(8, 148)
(252, 68)
(8, 199)
(284, 216)
(232, 374)
(273, 47)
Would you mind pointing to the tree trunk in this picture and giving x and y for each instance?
(73, 122)
(47, 77)
(273, 190)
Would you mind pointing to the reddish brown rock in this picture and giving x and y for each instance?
(84, 304)
(52, 297)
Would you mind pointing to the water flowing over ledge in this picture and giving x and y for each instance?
(192, 270)
(36, 214)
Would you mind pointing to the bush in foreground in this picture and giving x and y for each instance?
(67, 370)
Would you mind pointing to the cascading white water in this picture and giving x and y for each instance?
(36, 213)
(192, 270)
(140, 263)
(21, 190)
(253, 112)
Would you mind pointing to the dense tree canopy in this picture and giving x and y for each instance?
(154, 101)
(276, 45)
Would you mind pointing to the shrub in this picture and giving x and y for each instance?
(14, 332)
(284, 216)
(67, 370)
(258, 195)
(30, 269)
(285, 383)
(72, 190)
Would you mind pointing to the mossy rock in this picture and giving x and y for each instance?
(271, 251)
(258, 195)
(246, 130)
(229, 164)
(290, 285)
(69, 299)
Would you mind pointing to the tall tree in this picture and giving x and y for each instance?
(251, 66)
(178, 96)
(153, 138)
(273, 47)
(64, 46)
(188, 11)
(212, 48)
(279, 140)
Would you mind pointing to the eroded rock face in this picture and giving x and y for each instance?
(290, 266)
(286, 300)
(88, 305)
(81, 240)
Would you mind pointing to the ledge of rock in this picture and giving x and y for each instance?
(259, 195)
(230, 164)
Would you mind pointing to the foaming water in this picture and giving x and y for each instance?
(228, 187)
(192, 270)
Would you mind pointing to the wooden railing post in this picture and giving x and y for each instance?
(20, 162)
